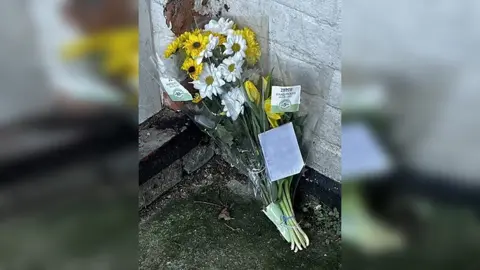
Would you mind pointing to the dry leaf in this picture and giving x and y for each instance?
(224, 214)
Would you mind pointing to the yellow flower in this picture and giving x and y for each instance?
(192, 68)
(117, 54)
(197, 98)
(197, 31)
(118, 49)
(172, 48)
(272, 117)
(184, 37)
(253, 51)
(195, 44)
(221, 38)
(253, 54)
(252, 92)
(249, 35)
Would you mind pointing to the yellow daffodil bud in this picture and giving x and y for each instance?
(252, 92)
(197, 98)
(273, 118)
(265, 86)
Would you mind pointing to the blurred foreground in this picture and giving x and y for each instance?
(68, 151)
(410, 74)
(410, 81)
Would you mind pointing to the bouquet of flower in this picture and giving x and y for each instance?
(232, 102)
(108, 44)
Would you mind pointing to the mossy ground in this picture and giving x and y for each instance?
(447, 237)
(186, 234)
(93, 234)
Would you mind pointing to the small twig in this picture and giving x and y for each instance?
(231, 228)
(209, 203)
(177, 244)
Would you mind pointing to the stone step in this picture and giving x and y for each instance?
(172, 175)
(163, 139)
(170, 145)
(315, 184)
(49, 142)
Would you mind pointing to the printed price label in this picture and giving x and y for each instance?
(175, 90)
(286, 98)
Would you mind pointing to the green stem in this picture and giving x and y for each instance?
(265, 193)
(293, 224)
(288, 183)
(292, 234)
(245, 125)
(280, 189)
(291, 212)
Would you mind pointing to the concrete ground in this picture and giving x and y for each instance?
(182, 229)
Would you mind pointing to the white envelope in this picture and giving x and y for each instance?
(281, 151)
(362, 154)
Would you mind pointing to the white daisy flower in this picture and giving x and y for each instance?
(233, 101)
(235, 45)
(232, 68)
(210, 82)
(222, 26)
(208, 52)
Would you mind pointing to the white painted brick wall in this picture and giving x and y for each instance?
(430, 47)
(149, 98)
(304, 40)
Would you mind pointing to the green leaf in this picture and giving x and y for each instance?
(266, 85)
(255, 127)
(273, 191)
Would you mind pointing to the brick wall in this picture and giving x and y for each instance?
(304, 41)
(424, 53)
(150, 98)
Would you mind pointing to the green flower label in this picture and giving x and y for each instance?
(175, 90)
(286, 98)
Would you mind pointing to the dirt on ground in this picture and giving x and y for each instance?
(182, 230)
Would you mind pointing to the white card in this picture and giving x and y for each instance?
(281, 151)
(286, 98)
(175, 90)
(361, 153)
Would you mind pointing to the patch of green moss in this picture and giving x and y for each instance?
(79, 234)
(188, 235)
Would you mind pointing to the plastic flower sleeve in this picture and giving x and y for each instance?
(162, 37)
(284, 73)
(315, 83)
(242, 152)
(227, 68)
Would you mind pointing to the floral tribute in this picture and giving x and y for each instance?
(232, 104)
